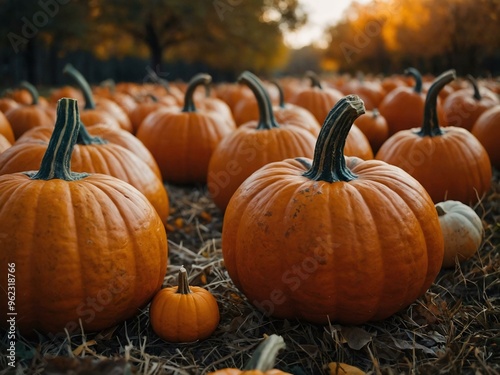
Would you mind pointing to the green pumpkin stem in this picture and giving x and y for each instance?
(84, 138)
(440, 211)
(266, 114)
(82, 83)
(182, 282)
(328, 161)
(56, 162)
(475, 86)
(197, 80)
(264, 357)
(315, 81)
(430, 127)
(417, 77)
(32, 90)
(280, 92)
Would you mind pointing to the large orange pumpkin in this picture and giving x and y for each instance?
(449, 162)
(333, 239)
(86, 247)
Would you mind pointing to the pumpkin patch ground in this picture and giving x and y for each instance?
(453, 329)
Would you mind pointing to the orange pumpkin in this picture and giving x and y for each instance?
(25, 117)
(313, 239)
(184, 313)
(487, 130)
(87, 248)
(143, 110)
(374, 127)
(449, 162)
(182, 141)
(316, 99)
(462, 108)
(403, 107)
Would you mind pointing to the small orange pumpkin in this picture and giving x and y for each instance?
(184, 313)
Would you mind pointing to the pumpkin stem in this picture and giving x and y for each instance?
(418, 79)
(82, 83)
(430, 127)
(110, 84)
(315, 81)
(475, 86)
(280, 92)
(182, 281)
(84, 138)
(56, 162)
(264, 357)
(328, 161)
(375, 113)
(266, 114)
(197, 80)
(32, 90)
(440, 211)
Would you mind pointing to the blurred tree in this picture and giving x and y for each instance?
(389, 35)
(29, 25)
(225, 33)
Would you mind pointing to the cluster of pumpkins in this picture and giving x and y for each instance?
(342, 200)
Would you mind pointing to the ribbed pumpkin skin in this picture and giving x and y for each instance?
(347, 252)
(110, 159)
(75, 242)
(109, 133)
(452, 166)
(317, 101)
(182, 143)
(247, 149)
